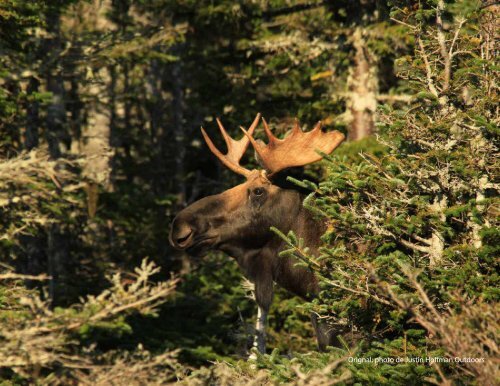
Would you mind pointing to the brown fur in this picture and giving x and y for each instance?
(238, 223)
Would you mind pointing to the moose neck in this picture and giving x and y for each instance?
(297, 279)
(263, 258)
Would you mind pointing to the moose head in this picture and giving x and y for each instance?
(240, 218)
(237, 221)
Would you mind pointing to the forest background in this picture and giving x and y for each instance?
(101, 102)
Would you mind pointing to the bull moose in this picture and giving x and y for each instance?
(238, 221)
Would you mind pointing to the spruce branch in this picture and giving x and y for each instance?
(44, 338)
(414, 246)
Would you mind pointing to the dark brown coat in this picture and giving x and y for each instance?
(238, 221)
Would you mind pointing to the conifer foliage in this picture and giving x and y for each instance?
(411, 265)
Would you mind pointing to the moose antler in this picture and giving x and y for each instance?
(297, 149)
(235, 149)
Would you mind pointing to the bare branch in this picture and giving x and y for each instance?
(395, 98)
(430, 81)
(18, 276)
(413, 246)
(403, 23)
(455, 37)
(421, 239)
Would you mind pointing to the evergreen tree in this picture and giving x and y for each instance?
(413, 235)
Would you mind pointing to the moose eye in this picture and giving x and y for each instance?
(258, 191)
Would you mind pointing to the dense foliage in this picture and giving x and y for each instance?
(411, 265)
(100, 108)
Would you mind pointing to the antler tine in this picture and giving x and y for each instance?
(253, 126)
(224, 133)
(298, 149)
(235, 148)
(270, 135)
(296, 127)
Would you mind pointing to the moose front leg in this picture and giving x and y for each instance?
(259, 341)
(323, 332)
(264, 298)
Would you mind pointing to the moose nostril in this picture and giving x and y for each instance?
(183, 239)
(184, 236)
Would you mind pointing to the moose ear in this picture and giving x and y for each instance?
(257, 156)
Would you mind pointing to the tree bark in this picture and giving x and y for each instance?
(127, 120)
(178, 129)
(178, 107)
(58, 259)
(57, 136)
(32, 116)
(74, 101)
(157, 119)
(362, 101)
(436, 247)
(57, 139)
(95, 141)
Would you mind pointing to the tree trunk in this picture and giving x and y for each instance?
(94, 144)
(157, 119)
(95, 141)
(74, 102)
(436, 247)
(32, 116)
(32, 245)
(57, 138)
(362, 82)
(58, 256)
(179, 141)
(179, 131)
(127, 121)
